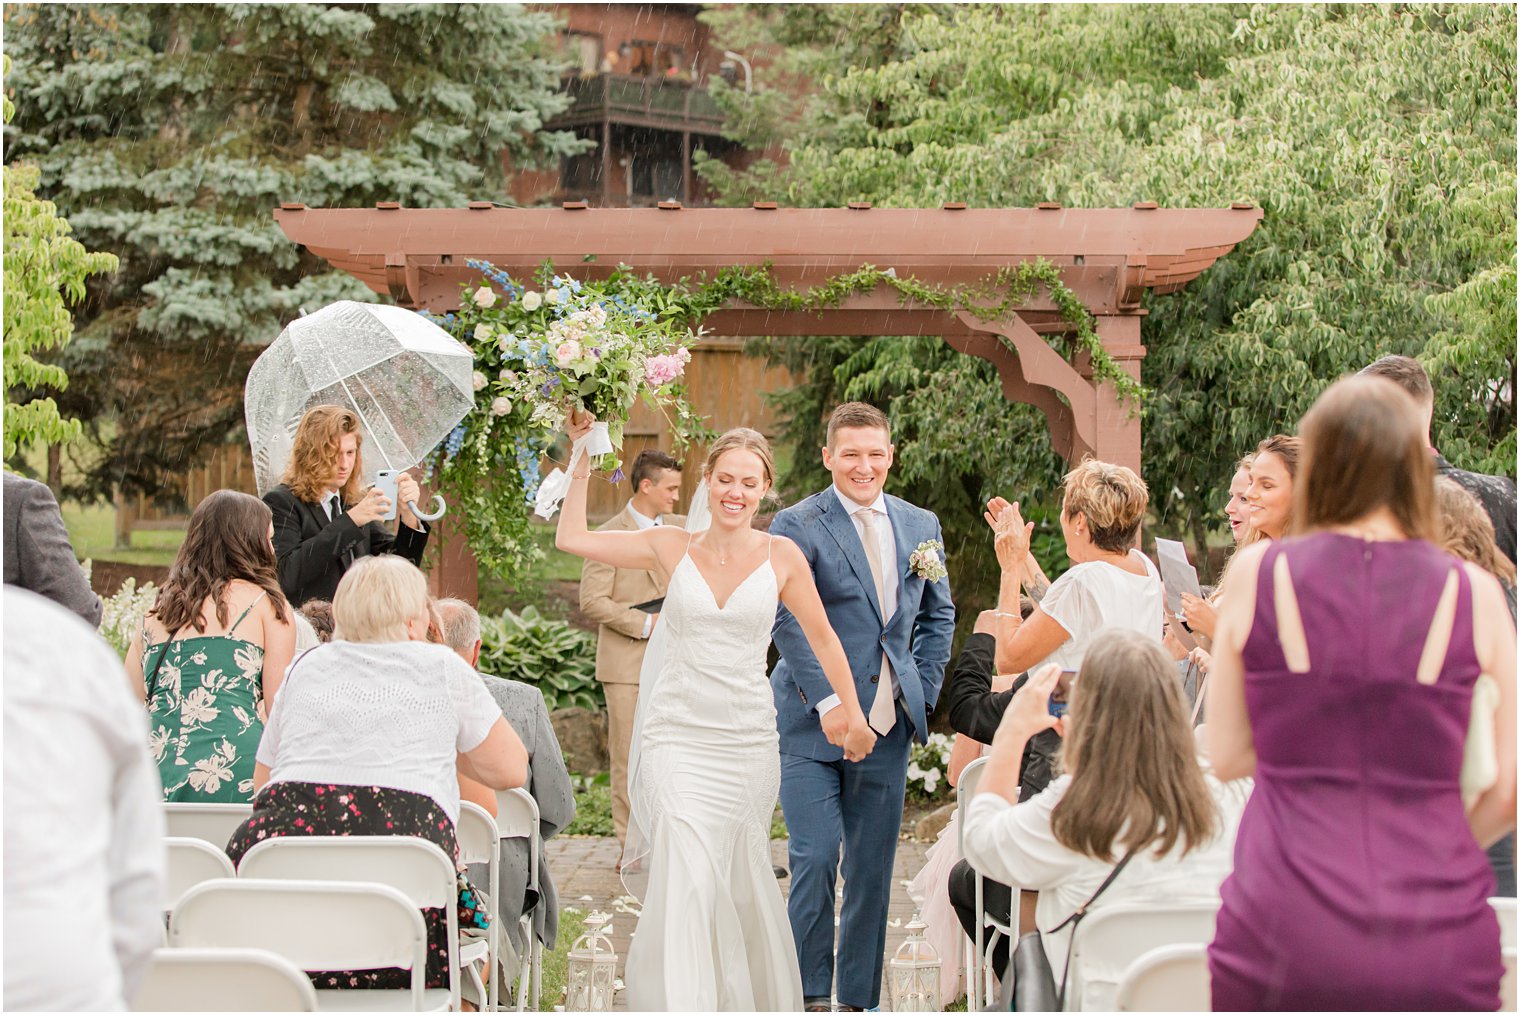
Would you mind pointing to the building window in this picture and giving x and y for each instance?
(581, 175)
(657, 178)
(582, 51)
(642, 58)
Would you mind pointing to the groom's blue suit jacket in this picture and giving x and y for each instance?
(916, 638)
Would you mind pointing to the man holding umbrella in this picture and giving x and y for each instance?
(323, 519)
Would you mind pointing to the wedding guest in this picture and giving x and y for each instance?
(1202, 614)
(1269, 498)
(609, 595)
(1466, 533)
(37, 551)
(548, 781)
(323, 518)
(1495, 493)
(212, 650)
(1343, 678)
(84, 830)
(368, 733)
(1110, 585)
(318, 613)
(1134, 797)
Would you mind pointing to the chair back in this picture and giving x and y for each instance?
(191, 861)
(1170, 978)
(314, 925)
(1507, 984)
(1113, 937)
(516, 814)
(1504, 908)
(223, 979)
(416, 867)
(477, 833)
(214, 823)
(965, 789)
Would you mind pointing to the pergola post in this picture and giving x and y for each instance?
(1116, 422)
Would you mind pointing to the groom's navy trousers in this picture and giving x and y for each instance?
(867, 832)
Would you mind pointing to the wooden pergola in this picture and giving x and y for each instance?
(1107, 256)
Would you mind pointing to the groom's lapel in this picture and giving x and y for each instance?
(836, 520)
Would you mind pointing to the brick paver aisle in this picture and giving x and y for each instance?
(583, 869)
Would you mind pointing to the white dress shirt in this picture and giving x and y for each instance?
(84, 828)
(641, 522)
(890, 578)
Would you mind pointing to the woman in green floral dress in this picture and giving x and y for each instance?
(218, 639)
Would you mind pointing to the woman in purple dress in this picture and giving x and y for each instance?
(1343, 681)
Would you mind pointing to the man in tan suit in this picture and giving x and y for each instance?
(609, 595)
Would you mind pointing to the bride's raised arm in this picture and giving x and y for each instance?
(844, 726)
(640, 550)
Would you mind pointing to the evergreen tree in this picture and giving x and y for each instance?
(1379, 140)
(169, 133)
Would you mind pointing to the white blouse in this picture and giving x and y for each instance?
(1098, 596)
(1013, 844)
(391, 714)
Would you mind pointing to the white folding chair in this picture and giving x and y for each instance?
(981, 978)
(1507, 984)
(223, 979)
(191, 861)
(517, 818)
(479, 843)
(214, 823)
(1170, 978)
(417, 868)
(316, 925)
(1505, 909)
(1112, 938)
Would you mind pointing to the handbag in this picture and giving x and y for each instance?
(1029, 984)
(474, 908)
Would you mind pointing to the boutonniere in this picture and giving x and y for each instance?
(928, 561)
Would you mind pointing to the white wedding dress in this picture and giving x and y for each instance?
(703, 780)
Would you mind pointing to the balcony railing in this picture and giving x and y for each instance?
(651, 101)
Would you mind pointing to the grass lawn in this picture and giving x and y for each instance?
(572, 923)
(92, 530)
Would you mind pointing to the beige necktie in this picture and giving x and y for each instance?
(883, 714)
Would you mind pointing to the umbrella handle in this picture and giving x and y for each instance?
(439, 507)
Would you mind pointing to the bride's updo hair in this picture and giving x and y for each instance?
(742, 439)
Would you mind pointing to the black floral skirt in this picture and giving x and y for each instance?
(307, 808)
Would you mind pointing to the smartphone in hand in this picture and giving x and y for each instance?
(1060, 695)
(386, 482)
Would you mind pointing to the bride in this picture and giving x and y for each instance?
(705, 767)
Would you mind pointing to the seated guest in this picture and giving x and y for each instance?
(212, 649)
(323, 518)
(1111, 585)
(84, 829)
(1134, 793)
(1467, 534)
(548, 782)
(1343, 678)
(318, 613)
(38, 554)
(366, 736)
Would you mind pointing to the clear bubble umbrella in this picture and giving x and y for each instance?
(407, 380)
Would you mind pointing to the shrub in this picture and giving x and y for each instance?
(929, 769)
(557, 658)
(121, 615)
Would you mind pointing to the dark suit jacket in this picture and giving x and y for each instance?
(976, 711)
(314, 551)
(38, 554)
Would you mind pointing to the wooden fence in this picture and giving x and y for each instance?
(724, 384)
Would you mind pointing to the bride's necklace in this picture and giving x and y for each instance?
(719, 552)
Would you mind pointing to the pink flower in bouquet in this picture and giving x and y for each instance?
(567, 352)
(660, 370)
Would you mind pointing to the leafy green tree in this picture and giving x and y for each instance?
(1379, 140)
(169, 132)
(43, 265)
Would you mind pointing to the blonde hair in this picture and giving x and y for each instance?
(1135, 778)
(376, 599)
(1467, 532)
(314, 454)
(1112, 499)
(742, 439)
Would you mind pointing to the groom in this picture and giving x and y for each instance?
(895, 624)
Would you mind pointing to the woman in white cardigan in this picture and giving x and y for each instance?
(1132, 785)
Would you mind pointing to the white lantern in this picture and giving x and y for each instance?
(592, 968)
(913, 973)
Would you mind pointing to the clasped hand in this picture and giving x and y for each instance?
(1012, 532)
(853, 735)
